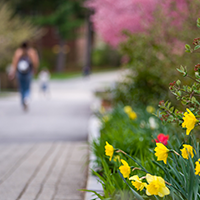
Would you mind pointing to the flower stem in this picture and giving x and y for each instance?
(120, 151)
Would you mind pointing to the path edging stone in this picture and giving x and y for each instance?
(93, 133)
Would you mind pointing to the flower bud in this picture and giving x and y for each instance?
(178, 82)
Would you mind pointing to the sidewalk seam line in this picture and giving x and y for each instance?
(52, 148)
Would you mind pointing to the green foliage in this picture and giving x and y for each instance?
(113, 186)
(152, 57)
(148, 76)
(105, 57)
(179, 173)
(145, 87)
(66, 16)
(125, 134)
(13, 32)
(47, 59)
(133, 136)
(187, 95)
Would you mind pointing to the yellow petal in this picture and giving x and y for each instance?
(149, 178)
(124, 162)
(163, 191)
(134, 178)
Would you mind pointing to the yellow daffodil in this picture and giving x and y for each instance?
(137, 183)
(102, 110)
(127, 109)
(125, 169)
(156, 186)
(161, 151)
(132, 115)
(189, 121)
(197, 168)
(150, 109)
(187, 151)
(106, 118)
(109, 150)
(116, 158)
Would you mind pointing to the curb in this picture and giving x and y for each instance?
(92, 180)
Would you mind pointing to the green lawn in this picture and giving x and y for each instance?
(65, 75)
(68, 75)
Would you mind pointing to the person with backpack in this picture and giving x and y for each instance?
(25, 63)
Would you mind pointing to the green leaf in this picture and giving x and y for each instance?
(178, 82)
(137, 163)
(138, 197)
(179, 93)
(169, 104)
(179, 70)
(191, 180)
(198, 22)
(171, 109)
(176, 111)
(99, 196)
(166, 103)
(196, 47)
(184, 102)
(174, 183)
(187, 47)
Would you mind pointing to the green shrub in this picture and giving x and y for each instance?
(105, 56)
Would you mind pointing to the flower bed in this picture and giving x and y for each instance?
(139, 158)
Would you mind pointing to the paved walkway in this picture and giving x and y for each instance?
(44, 171)
(44, 153)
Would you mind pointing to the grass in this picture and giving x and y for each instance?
(7, 93)
(68, 75)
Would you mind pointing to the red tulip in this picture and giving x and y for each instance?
(162, 138)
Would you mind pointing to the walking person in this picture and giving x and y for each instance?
(25, 63)
(44, 77)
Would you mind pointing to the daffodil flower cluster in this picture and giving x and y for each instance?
(154, 185)
(128, 110)
(161, 152)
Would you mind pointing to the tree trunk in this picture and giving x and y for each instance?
(61, 57)
(87, 67)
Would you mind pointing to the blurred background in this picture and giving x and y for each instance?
(76, 38)
(62, 33)
(79, 37)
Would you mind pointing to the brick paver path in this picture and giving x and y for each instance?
(44, 171)
(43, 153)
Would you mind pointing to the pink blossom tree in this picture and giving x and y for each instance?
(151, 35)
(112, 17)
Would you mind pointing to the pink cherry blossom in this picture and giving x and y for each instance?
(111, 17)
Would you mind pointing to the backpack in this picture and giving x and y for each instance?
(24, 65)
